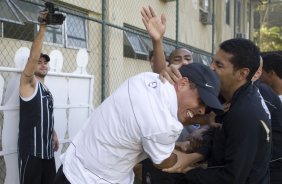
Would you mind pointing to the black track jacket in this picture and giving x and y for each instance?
(239, 152)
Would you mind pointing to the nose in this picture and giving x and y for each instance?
(201, 110)
(185, 62)
(212, 66)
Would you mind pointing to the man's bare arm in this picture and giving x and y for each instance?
(156, 28)
(28, 81)
(167, 163)
(185, 162)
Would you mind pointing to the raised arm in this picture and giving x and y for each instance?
(28, 80)
(156, 28)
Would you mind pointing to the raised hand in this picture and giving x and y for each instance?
(156, 27)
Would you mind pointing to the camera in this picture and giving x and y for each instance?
(52, 17)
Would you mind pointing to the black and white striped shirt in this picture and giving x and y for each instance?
(37, 123)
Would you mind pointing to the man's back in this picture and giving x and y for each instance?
(275, 107)
(139, 118)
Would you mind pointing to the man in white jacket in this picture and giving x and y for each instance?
(141, 119)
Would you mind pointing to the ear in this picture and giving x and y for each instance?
(271, 73)
(257, 74)
(181, 83)
(243, 73)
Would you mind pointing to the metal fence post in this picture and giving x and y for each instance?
(213, 25)
(103, 79)
(177, 23)
(235, 17)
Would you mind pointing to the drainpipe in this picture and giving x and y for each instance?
(213, 25)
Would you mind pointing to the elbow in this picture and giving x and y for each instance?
(167, 163)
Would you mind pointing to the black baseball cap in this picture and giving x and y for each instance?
(207, 83)
(45, 56)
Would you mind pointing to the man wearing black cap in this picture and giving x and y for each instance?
(140, 119)
(37, 137)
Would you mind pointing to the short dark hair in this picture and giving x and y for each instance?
(45, 56)
(245, 54)
(173, 52)
(272, 61)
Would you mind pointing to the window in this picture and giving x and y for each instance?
(134, 47)
(227, 12)
(28, 12)
(72, 34)
(19, 32)
(201, 58)
(7, 12)
(54, 35)
(76, 32)
(138, 47)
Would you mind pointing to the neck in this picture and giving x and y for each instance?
(277, 87)
(228, 94)
(40, 79)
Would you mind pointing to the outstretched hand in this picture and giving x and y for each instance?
(156, 27)
(185, 162)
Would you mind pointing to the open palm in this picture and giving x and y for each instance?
(156, 27)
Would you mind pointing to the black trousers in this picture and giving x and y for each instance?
(60, 177)
(34, 170)
(152, 175)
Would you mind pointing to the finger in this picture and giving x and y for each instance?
(163, 19)
(168, 78)
(162, 79)
(144, 15)
(152, 11)
(173, 169)
(145, 23)
(148, 12)
(176, 71)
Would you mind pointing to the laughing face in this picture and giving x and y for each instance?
(189, 102)
(42, 68)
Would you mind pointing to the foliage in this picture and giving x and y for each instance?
(269, 38)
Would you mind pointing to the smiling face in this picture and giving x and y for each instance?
(180, 57)
(224, 69)
(189, 102)
(42, 68)
(230, 79)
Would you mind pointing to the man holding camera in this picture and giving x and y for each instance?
(37, 137)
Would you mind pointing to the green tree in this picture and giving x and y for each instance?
(269, 36)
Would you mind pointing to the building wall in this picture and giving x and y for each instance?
(191, 32)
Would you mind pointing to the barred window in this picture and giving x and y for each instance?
(76, 32)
